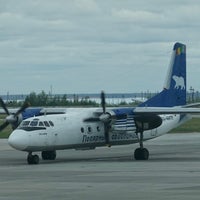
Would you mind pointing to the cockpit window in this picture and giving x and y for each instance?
(46, 123)
(41, 124)
(35, 124)
(51, 123)
(25, 123)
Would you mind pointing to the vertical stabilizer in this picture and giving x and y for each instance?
(174, 92)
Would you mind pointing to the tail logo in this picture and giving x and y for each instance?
(179, 82)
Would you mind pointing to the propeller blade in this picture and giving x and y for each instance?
(25, 105)
(103, 102)
(104, 118)
(4, 125)
(4, 106)
(106, 133)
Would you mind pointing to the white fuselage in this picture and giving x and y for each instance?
(65, 131)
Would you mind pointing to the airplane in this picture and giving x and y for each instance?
(88, 128)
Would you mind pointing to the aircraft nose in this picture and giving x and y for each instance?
(18, 140)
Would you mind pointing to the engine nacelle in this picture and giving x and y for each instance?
(147, 121)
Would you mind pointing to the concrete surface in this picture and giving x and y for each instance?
(172, 172)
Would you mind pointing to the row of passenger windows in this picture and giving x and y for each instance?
(89, 129)
(36, 123)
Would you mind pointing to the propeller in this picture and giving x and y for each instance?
(105, 118)
(12, 118)
(4, 106)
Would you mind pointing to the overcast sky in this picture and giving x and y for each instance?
(85, 46)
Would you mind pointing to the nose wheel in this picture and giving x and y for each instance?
(33, 159)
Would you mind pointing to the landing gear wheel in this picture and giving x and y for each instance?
(141, 154)
(33, 159)
(48, 155)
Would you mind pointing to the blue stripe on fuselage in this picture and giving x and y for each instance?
(123, 111)
(31, 112)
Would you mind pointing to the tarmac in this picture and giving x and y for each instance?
(172, 172)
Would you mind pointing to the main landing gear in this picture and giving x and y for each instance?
(141, 153)
(46, 155)
(143, 123)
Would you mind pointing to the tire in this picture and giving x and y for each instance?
(33, 159)
(141, 154)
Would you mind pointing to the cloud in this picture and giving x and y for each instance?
(89, 45)
(135, 16)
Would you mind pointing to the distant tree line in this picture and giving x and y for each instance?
(43, 99)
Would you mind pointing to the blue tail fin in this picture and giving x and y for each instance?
(174, 92)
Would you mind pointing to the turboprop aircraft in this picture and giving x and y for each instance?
(88, 128)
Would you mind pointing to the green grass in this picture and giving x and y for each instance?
(191, 126)
(6, 132)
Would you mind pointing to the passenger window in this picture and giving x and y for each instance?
(46, 123)
(89, 129)
(82, 130)
(98, 128)
(51, 123)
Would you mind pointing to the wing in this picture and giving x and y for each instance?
(166, 110)
(12, 110)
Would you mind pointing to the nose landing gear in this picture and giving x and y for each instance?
(46, 155)
(33, 159)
